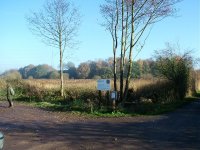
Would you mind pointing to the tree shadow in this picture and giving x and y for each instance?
(176, 130)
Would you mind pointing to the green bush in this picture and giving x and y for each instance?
(176, 68)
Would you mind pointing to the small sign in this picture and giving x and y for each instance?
(103, 85)
(114, 95)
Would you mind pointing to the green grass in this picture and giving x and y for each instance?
(78, 107)
(51, 105)
(198, 94)
(110, 114)
(157, 109)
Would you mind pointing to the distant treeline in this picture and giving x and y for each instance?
(86, 70)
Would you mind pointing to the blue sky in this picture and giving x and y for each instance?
(19, 47)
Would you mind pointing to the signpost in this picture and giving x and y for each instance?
(103, 85)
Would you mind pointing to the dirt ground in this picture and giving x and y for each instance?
(29, 128)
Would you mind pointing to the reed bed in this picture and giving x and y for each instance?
(84, 83)
(198, 85)
(55, 84)
(198, 82)
(74, 89)
(45, 90)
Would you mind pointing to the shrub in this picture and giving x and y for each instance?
(176, 68)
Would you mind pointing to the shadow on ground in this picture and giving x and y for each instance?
(176, 130)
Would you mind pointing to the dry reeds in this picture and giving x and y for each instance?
(68, 84)
(42, 89)
(198, 81)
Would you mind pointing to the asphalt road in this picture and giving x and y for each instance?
(29, 128)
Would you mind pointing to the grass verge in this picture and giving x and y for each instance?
(157, 109)
(138, 109)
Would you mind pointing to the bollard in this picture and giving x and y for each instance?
(1, 140)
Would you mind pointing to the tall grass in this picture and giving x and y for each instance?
(198, 82)
(2, 89)
(73, 89)
(44, 90)
(55, 84)
(82, 95)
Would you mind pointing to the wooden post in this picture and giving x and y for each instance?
(100, 98)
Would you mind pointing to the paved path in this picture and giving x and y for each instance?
(29, 128)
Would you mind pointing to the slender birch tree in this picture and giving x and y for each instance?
(136, 17)
(57, 25)
(110, 11)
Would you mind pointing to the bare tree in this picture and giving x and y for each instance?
(135, 17)
(110, 12)
(57, 24)
(144, 13)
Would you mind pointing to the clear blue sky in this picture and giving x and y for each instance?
(19, 47)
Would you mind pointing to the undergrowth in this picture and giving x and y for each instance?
(156, 98)
(137, 110)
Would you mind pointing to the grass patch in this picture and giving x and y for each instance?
(110, 114)
(79, 108)
(198, 94)
(157, 109)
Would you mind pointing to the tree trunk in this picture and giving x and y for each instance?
(115, 44)
(115, 70)
(130, 64)
(61, 67)
(122, 56)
